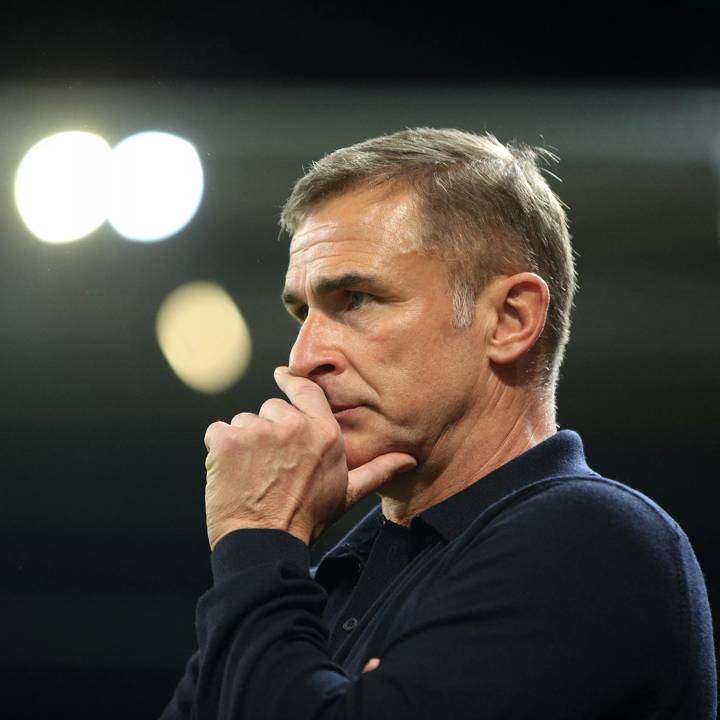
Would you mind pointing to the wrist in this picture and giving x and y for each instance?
(218, 531)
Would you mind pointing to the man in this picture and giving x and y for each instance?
(432, 274)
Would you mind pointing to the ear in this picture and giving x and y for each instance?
(520, 303)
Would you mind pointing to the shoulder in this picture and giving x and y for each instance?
(585, 542)
(584, 507)
(601, 527)
(591, 507)
(600, 575)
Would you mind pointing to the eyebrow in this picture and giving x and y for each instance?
(328, 285)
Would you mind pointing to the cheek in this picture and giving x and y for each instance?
(395, 341)
(410, 357)
(394, 353)
(406, 370)
(426, 372)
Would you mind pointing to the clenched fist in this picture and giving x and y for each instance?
(285, 467)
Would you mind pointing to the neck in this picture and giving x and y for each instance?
(466, 453)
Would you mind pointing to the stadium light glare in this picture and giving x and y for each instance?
(61, 186)
(157, 186)
(204, 337)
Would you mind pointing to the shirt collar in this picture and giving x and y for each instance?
(353, 550)
(560, 455)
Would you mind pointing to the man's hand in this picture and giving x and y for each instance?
(285, 468)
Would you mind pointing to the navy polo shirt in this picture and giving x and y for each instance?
(543, 590)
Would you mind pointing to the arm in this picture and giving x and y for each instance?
(180, 706)
(282, 470)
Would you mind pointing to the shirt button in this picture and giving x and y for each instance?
(350, 624)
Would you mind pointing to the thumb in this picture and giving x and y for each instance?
(370, 477)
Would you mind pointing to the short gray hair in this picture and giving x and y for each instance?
(485, 209)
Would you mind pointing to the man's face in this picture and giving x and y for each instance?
(377, 329)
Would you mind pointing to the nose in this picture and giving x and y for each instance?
(316, 351)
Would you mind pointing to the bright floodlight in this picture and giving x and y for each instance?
(61, 186)
(203, 337)
(157, 185)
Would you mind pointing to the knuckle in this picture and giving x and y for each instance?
(329, 434)
(224, 443)
(213, 428)
(295, 422)
(263, 428)
(271, 403)
(213, 432)
(292, 426)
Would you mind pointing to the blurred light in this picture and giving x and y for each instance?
(203, 337)
(157, 185)
(61, 186)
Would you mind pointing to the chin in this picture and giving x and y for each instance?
(355, 460)
(360, 451)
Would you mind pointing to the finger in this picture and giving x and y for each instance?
(304, 394)
(243, 419)
(370, 477)
(276, 409)
(372, 664)
(247, 420)
(213, 431)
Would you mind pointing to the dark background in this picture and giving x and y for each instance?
(103, 537)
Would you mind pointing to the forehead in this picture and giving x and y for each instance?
(369, 228)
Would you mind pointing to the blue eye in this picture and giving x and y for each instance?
(358, 299)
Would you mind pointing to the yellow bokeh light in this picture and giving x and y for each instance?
(61, 186)
(203, 336)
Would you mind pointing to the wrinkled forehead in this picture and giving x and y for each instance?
(332, 250)
(335, 237)
(357, 224)
(347, 249)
